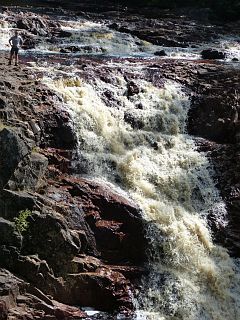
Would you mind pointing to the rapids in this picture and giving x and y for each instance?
(97, 39)
(5, 33)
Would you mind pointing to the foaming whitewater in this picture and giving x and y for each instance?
(139, 144)
(92, 38)
(5, 33)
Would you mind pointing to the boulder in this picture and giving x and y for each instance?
(2, 103)
(9, 289)
(115, 221)
(64, 34)
(12, 202)
(226, 159)
(57, 129)
(213, 118)
(13, 149)
(70, 49)
(3, 310)
(84, 263)
(29, 173)
(104, 290)
(19, 300)
(49, 236)
(8, 234)
(36, 24)
(64, 312)
(133, 119)
(76, 220)
(132, 89)
(29, 42)
(65, 50)
(161, 53)
(114, 26)
(211, 54)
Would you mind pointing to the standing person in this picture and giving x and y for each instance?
(15, 42)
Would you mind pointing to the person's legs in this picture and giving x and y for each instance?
(11, 56)
(16, 56)
(14, 53)
(16, 59)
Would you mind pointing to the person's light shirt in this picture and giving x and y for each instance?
(16, 41)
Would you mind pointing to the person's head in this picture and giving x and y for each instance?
(16, 33)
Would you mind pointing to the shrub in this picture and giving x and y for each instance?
(21, 223)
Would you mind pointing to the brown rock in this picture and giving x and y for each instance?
(3, 310)
(65, 312)
(115, 221)
(103, 290)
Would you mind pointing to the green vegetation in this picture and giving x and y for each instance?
(21, 223)
(2, 125)
(35, 149)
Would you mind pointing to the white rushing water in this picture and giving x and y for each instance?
(157, 164)
(5, 33)
(96, 38)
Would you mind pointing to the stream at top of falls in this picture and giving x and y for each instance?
(97, 39)
(138, 144)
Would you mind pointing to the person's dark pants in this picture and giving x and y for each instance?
(14, 50)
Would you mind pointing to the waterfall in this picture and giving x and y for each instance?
(5, 33)
(138, 143)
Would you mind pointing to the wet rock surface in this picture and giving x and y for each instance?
(215, 118)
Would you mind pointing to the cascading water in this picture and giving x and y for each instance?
(138, 143)
(92, 38)
(5, 33)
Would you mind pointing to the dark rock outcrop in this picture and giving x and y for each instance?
(104, 289)
(214, 116)
(216, 119)
(115, 222)
(161, 53)
(20, 300)
(29, 173)
(212, 54)
(9, 236)
(49, 237)
(36, 25)
(13, 148)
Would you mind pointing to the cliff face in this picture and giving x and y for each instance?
(69, 241)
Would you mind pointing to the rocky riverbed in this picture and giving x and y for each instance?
(73, 229)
